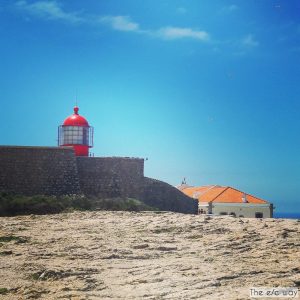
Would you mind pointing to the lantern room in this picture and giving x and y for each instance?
(76, 132)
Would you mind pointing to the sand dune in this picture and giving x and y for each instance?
(123, 255)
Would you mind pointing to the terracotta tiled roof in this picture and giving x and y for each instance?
(220, 194)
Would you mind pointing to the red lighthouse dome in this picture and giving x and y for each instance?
(76, 119)
(76, 132)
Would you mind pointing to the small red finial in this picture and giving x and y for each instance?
(76, 109)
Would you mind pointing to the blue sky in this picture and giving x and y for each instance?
(207, 90)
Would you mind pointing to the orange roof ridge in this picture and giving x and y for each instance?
(210, 187)
(200, 187)
(225, 189)
(248, 194)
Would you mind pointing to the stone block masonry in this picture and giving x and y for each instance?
(57, 171)
(162, 195)
(38, 170)
(109, 177)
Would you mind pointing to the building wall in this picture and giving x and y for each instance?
(108, 177)
(246, 210)
(38, 170)
(166, 197)
(57, 171)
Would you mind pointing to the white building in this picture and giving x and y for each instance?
(225, 200)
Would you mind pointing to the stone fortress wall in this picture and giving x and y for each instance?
(38, 170)
(109, 177)
(160, 194)
(57, 171)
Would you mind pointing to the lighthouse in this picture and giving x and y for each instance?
(76, 131)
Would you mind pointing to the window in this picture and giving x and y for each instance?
(223, 213)
(233, 214)
(258, 215)
(241, 216)
(75, 135)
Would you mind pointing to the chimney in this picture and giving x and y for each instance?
(244, 198)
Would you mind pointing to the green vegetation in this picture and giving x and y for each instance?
(126, 204)
(3, 291)
(3, 253)
(166, 229)
(35, 276)
(12, 205)
(9, 238)
(49, 274)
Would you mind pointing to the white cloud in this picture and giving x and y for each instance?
(48, 10)
(52, 10)
(171, 33)
(249, 41)
(124, 23)
(121, 23)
